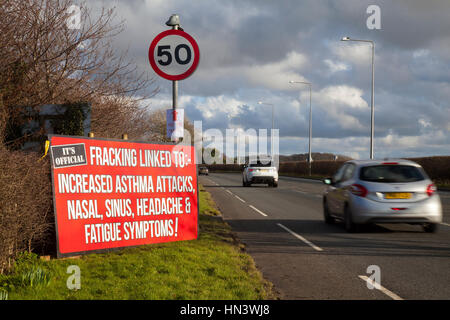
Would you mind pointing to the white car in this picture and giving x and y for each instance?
(260, 173)
(375, 191)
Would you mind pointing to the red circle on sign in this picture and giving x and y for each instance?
(162, 73)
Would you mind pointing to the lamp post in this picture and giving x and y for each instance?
(310, 122)
(271, 133)
(372, 126)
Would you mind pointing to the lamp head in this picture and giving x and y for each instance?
(345, 39)
(174, 20)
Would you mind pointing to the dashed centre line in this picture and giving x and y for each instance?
(381, 288)
(259, 211)
(309, 243)
(237, 197)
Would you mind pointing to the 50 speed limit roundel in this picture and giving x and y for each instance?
(174, 55)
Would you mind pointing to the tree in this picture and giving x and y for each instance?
(158, 129)
(42, 61)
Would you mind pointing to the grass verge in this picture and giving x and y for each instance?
(212, 267)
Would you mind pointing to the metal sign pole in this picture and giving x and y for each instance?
(175, 97)
(161, 51)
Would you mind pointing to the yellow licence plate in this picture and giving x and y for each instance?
(397, 195)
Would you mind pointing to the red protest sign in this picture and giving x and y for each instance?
(111, 193)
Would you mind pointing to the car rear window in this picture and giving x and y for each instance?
(391, 173)
(260, 164)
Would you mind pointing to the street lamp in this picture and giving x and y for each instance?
(271, 133)
(372, 100)
(310, 122)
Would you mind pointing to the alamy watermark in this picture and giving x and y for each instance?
(73, 22)
(233, 146)
(374, 20)
(74, 280)
(374, 280)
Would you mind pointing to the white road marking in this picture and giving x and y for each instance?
(259, 211)
(381, 288)
(309, 243)
(235, 196)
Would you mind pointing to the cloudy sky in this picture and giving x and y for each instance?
(250, 49)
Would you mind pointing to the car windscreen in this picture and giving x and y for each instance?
(391, 173)
(261, 164)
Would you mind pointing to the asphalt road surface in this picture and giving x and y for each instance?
(284, 231)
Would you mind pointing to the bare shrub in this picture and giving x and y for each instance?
(42, 61)
(25, 204)
(157, 126)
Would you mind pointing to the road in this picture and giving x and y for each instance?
(304, 258)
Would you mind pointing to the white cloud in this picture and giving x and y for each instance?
(277, 75)
(342, 95)
(353, 52)
(339, 103)
(336, 66)
(221, 103)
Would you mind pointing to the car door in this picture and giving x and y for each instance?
(332, 196)
(342, 188)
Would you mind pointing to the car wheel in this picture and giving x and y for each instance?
(326, 214)
(430, 227)
(350, 226)
(275, 184)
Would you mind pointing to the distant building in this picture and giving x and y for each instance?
(29, 129)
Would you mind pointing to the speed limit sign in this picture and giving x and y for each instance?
(174, 55)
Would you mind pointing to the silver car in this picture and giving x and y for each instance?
(376, 191)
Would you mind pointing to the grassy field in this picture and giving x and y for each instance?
(212, 267)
